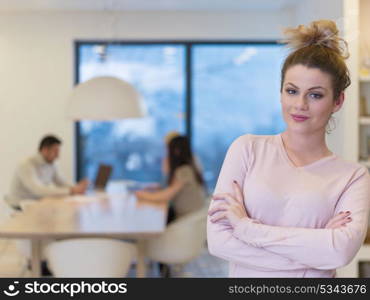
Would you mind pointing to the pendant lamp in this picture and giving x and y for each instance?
(103, 99)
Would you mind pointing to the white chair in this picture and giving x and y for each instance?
(90, 257)
(183, 240)
(352, 269)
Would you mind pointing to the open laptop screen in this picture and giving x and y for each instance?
(102, 176)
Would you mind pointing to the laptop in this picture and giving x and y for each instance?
(102, 177)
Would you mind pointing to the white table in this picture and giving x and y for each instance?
(118, 216)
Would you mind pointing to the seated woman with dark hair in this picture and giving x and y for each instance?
(185, 185)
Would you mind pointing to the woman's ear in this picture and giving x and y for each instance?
(338, 103)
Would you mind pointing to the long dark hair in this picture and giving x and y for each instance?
(179, 154)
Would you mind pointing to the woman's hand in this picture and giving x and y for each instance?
(339, 220)
(231, 208)
(152, 187)
(142, 194)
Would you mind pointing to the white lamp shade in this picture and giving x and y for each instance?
(104, 98)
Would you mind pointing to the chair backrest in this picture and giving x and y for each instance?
(182, 241)
(90, 257)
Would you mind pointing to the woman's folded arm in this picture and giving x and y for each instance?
(317, 248)
(223, 244)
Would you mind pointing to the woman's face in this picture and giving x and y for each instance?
(307, 99)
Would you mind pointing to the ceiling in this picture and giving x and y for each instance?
(144, 5)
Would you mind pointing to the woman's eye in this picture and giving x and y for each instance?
(291, 91)
(315, 96)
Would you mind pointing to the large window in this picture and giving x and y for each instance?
(213, 92)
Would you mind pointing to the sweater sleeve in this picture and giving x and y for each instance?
(30, 180)
(317, 248)
(221, 241)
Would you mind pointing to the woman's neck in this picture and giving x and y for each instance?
(306, 146)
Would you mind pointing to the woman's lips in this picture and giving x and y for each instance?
(299, 118)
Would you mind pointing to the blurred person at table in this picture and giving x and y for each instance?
(185, 185)
(38, 176)
(151, 187)
(165, 162)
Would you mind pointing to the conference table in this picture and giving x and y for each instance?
(113, 214)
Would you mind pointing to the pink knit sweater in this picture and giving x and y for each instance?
(289, 207)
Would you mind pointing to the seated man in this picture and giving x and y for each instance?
(38, 176)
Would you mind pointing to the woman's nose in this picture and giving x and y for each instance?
(301, 103)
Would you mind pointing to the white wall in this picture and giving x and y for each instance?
(310, 10)
(36, 65)
(364, 46)
(365, 24)
(350, 132)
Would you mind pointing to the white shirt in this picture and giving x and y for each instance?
(35, 178)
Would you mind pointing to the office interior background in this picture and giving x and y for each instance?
(206, 68)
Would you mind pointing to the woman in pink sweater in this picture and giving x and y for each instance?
(285, 205)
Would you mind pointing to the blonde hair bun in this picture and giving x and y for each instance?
(321, 33)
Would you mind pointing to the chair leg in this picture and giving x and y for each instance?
(165, 270)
